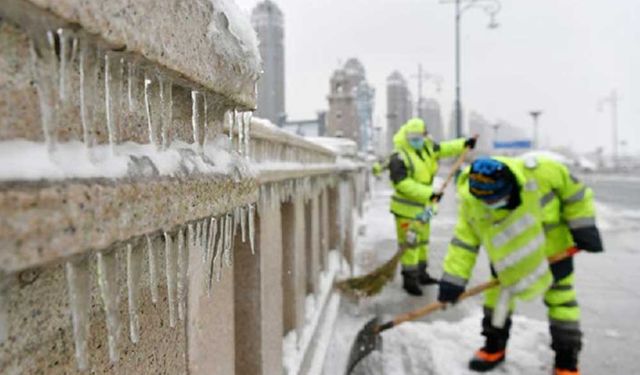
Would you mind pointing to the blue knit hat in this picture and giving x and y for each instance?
(490, 179)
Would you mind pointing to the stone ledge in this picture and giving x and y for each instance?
(44, 223)
(192, 39)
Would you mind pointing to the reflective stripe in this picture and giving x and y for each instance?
(513, 230)
(549, 227)
(568, 325)
(407, 202)
(583, 222)
(458, 242)
(531, 279)
(577, 197)
(455, 280)
(531, 186)
(516, 256)
(572, 303)
(561, 287)
(547, 198)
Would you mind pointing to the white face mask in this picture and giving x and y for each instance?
(498, 204)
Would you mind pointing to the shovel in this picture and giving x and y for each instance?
(369, 338)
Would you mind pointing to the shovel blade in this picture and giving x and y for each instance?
(367, 340)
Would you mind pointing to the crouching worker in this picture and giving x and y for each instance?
(522, 212)
(412, 167)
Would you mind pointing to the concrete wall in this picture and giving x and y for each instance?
(147, 223)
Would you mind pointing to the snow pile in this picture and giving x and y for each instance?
(229, 18)
(615, 218)
(323, 306)
(22, 160)
(444, 348)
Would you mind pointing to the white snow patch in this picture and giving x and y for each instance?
(295, 347)
(444, 348)
(228, 17)
(22, 160)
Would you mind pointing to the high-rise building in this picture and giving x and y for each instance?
(351, 102)
(268, 21)
(429, 111)
(399, 108)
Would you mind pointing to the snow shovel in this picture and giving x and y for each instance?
(372, 283)
(369, 338)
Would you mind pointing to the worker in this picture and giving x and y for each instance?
(522, 211)
(412, 168)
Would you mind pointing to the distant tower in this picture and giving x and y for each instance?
(399, 106)
(268, 21)
(429, 111)
(342, 120)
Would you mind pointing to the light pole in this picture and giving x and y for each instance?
(535, 115)
(495, 134)
(491, 7)
(612, 100)
(422, 77)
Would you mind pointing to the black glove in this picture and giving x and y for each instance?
(435, 197)
(470, 142)
(449, 293)
(587, 239)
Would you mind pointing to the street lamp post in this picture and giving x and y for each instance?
(612, 100)
(491, 7)
(535, 115)
(495, 134)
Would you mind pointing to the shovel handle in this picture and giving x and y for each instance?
(435, 306)
(455, 168)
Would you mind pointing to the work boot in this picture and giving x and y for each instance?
(493, 352)
(410, 282)
(423, 276)
(566, 362)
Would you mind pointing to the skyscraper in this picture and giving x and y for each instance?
(351, 102)
(268, 21)
(399, 106)
(429, 111)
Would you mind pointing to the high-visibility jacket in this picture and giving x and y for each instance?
(412, 171)
(556, 211)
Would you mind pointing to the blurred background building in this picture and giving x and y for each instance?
(399, 107)
(268, 21)
(429, 111)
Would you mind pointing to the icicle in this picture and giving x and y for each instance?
(205, 114)
(107, 99)
(62, 74)
(166, 111)
(243, 223)
(147, 106)
(183, 264)
(108, 283)
(247, 135)
(171, 271)
(84, 111)
(205, 236)
(79, 289)
(220, 248)
(195, 118)
(240, 121)
(198, 242)
(132, 84)
(228, 233)
(213, 228)
(134, 272)
(44, 68)
(252, 228)
(153, 270)
(230, 120)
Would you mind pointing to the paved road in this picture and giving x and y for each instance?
(608, 284)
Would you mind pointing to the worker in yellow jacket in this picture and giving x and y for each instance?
(522, 212)
(412, 168)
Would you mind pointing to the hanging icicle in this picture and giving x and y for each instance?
(134, 272)
(153, 269)
(79, 290)
(252, 228)
(108, 283)
(172, 275)
(213, 226)
(183, 264)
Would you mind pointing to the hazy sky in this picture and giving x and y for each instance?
(560, 56)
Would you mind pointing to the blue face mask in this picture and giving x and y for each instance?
(416, 143)
(502, 203)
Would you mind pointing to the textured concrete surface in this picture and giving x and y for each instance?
(190, 38)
